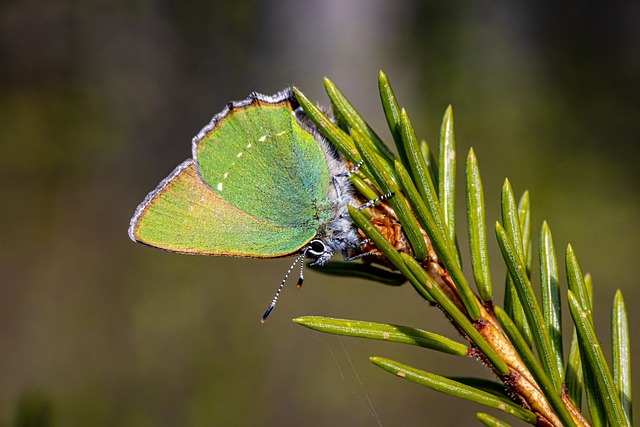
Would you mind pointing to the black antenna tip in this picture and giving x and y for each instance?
(300, 280)
(267, 313)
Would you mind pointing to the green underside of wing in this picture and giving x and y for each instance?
(259, 159)
(187, 215)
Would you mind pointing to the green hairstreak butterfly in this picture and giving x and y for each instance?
(261, 183)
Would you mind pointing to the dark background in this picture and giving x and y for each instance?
(98, 103)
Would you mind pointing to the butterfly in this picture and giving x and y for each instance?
(261, 183)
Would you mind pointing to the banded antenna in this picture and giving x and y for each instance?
(300, 259)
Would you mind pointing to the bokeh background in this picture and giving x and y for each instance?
(98, 103)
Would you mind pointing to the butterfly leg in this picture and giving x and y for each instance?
(376, 200)
(346, 256)
(344, 175)
(355, 169)
(352, 171)
(363, 242)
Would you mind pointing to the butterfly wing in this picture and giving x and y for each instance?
(256, 188)
(184, 214)
(257, 157)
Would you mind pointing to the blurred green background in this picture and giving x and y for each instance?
(99, 101)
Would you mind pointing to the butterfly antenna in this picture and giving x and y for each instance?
(286, 276)
(301, 278)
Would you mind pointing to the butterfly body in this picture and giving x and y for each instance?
(261, 183)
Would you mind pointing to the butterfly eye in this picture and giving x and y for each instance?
(316, 248)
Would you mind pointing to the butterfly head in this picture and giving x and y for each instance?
(319, 252)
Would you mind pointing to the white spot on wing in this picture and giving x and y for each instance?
(226, 174)
(263, 138)
(239, 154)
(219, 186)
(249, 145)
